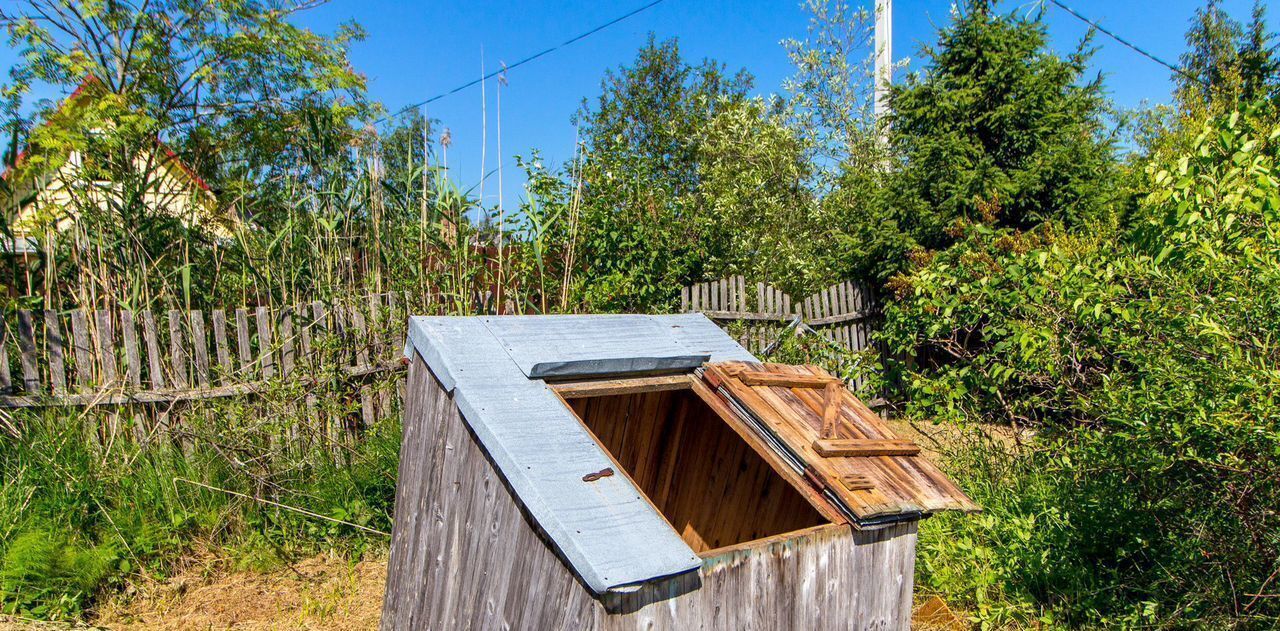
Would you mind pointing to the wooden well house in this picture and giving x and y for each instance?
(632, 471)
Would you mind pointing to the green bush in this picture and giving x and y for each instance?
(79, 512)
(1147, 361)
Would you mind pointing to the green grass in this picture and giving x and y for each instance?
(80, 516)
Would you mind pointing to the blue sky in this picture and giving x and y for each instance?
(416, 50)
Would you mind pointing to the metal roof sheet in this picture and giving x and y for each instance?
(606, 531)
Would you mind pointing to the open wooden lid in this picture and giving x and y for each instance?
(820, 430)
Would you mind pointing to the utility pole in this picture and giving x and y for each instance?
(884, 57)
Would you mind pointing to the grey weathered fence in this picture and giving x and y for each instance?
(116, 357)
(845, 313)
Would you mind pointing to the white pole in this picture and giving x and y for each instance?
(884, 56)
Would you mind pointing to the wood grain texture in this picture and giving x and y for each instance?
(132, 358)
(56, 346)
(901, 484)
(199, 348)
(83, 350)
(222, 349)
(106, 347)
(5, 378)
(178, 357)
(266, 347)
(465, 556)
(27, 348)
(709, 484)
(150, 337)
(862, 448)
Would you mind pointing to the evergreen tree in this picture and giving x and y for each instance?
(999, 129)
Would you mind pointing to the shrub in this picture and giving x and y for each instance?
(1148, 363)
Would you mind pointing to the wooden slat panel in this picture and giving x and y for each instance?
(287, 345)
(266, 348)
(360, 335)
(306, 324)
(6, 382)
(247, 368)
(345, 355)
(132, 358)
(863, 447)
(27, 349)
(55, 344)
(784, 380)
(106, 347)
(222, 348)
(83, 350)
(177, 350)
(902, 483)
(395, 322)
(199, 348)
(151, 338)
(609, 387)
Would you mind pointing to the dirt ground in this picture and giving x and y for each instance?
(317, 593)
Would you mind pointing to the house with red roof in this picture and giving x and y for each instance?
(50, 185)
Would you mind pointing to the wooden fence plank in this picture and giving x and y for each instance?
(222, 350)
(287, 345)
(359, 333)
(305, 325)
(27, 348)
(55, 343)
(199, 348)
(242, 345)
(177, 351)
(83, 349)
(106, 347)
(6, 382)
(266, 349)
(151, 338)
(132, 360)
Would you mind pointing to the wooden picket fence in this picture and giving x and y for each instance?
(846, 313)
(122, 357)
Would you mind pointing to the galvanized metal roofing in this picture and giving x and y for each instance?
(608, 533)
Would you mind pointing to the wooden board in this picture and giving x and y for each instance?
(889, 477)
(862, 448)
(709, 484)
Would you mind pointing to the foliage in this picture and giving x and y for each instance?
(682, 178)
(1226, 63)
(999, 127)
(1147, 363)
(831, 93)
(47, 577)
(230, 97)
(79, 516)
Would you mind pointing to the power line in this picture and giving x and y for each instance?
(526, 60)
(1134, 47)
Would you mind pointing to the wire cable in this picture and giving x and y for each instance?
(505, 68)
(1134, 47)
